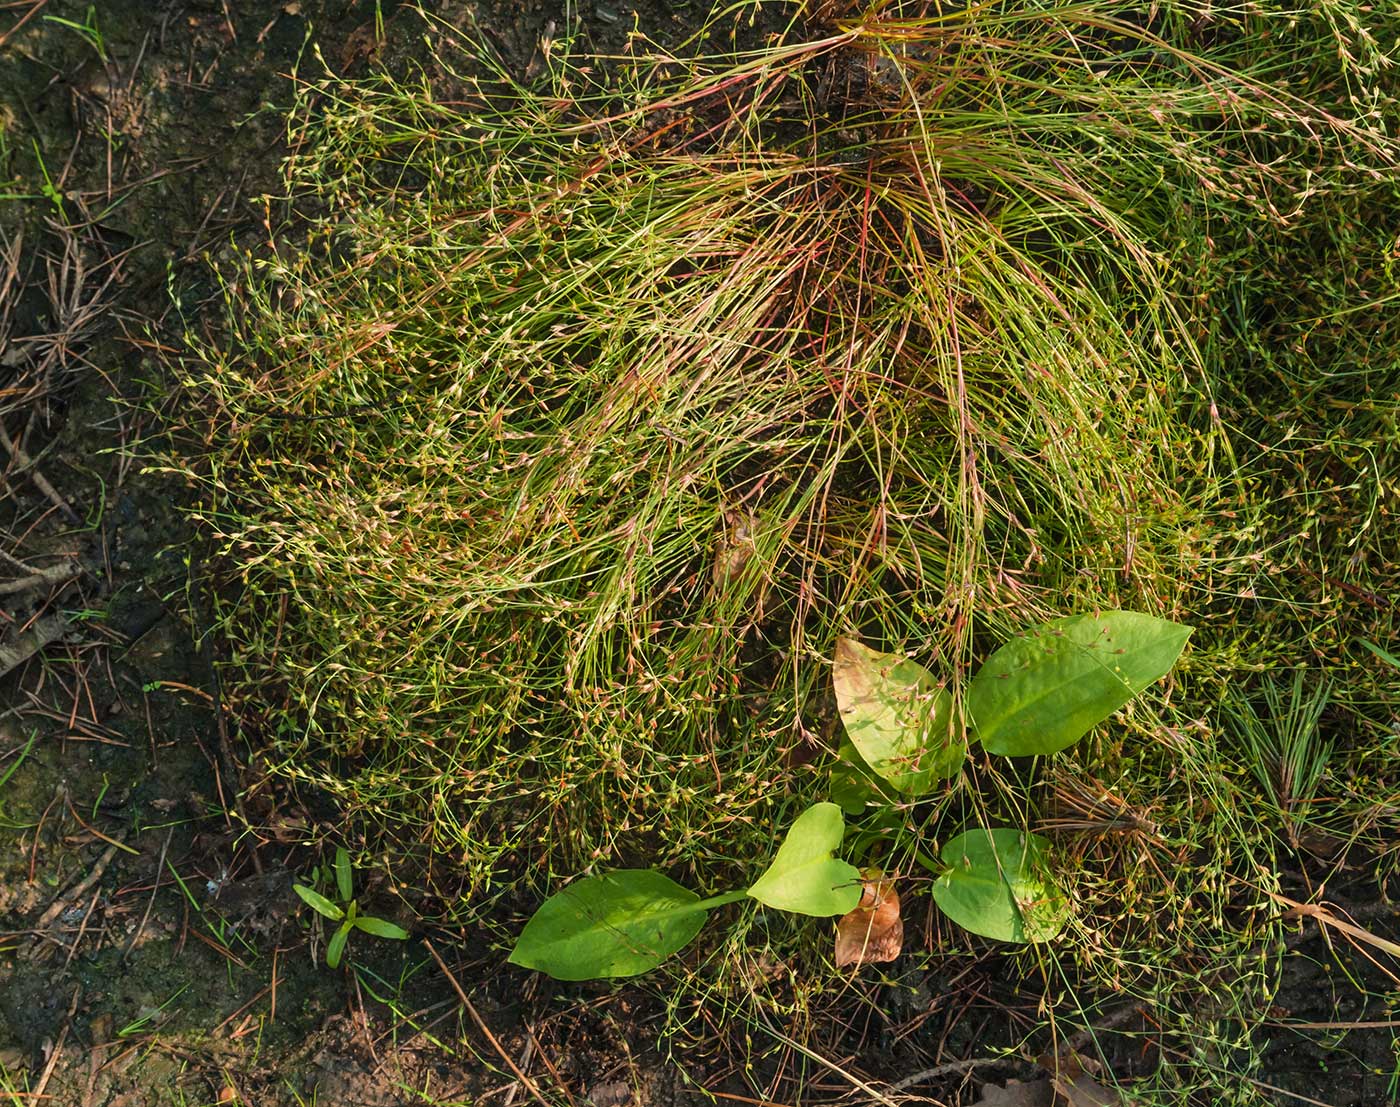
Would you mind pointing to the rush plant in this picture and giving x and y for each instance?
(604, 404)
(1038, 694)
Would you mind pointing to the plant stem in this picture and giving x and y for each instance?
(721, 900)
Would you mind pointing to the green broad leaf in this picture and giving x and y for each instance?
(318, 903)
(897, 716)
(882, 824)
(620, 924)
(1046, 689)
(997, 883)
(381, 928)
(342, 874)
(805, 877)
(336, 946)
(853, 783)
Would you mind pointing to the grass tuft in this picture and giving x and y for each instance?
(598, 406)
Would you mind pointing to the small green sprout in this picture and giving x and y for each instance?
(87, 29)
(347, 912)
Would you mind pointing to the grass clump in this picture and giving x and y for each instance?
(600, 406)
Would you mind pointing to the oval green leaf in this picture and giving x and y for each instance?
(854, 784)
(342, 874)
(337, 946)
(381, 928)
(318, 903)
(997, 884)
(805, 876)
(1047, 689)
(897, 716)
(620, 924)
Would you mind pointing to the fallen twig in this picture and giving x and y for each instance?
(61, 573)
(1324, 918)
(82, 929)
(38, 1092)
(953, 1068)
(43, 633)
(528, 1084)
(150, 903)
(77, 891)
(26, 464)
(25, 18)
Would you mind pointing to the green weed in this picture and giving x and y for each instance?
(147, 1022)
(48, 189)
(1284, 748)
(345, 911)
(86, 28)
(1036, 695)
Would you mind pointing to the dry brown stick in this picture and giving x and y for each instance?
(12, 560)
(524, 1063)
(150, 903)
(42, 634)
(25, 18)
(1324, 918)
(78, 890)
(744, 1099)
(38, 1092)
(486, 1030)
(10, 253)
(61, 573)
(272, 987)
(73, 811)
(82, 929)
(364, 1024)
(58, 794)
(554, 1072)
(951, 1068)
(249, 1003)
(41, 482)
(94, 1067)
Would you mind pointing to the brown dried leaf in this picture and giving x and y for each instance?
(735, 545)
(363, 42)
(1085, 1091)
(1035, 1093)
(874, 931)
(1082, 1091)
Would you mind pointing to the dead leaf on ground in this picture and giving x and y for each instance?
(1033, 1093)
(874, 931)
(361, 43)
(1082, 1091)
(1085, 1091)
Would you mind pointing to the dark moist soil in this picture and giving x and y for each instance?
(155, 951)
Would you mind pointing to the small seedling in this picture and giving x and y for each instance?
(87, 29)
(50, 190)
(1038, 694)
(346, 913)
(627, 922)
(145, 1022)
